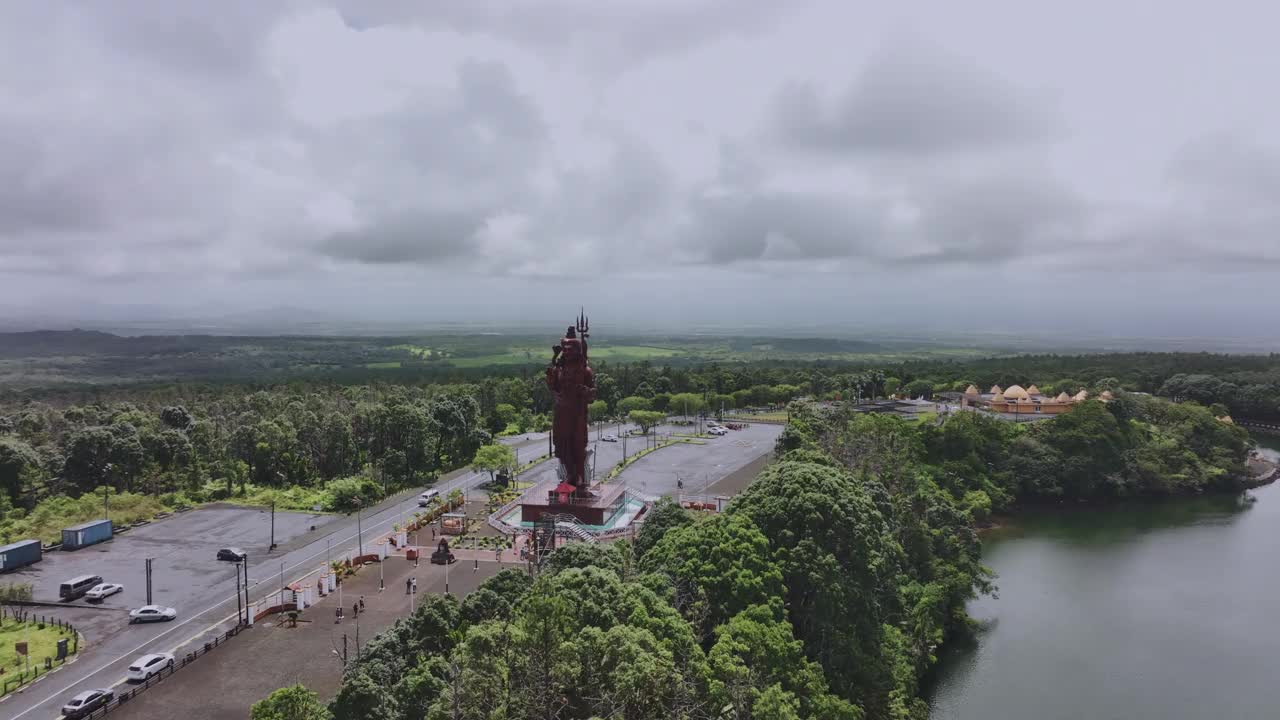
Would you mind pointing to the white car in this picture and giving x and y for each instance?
(428, 497)
(103, 590)
(718, 431)
(144, 667)
(152, 613)
(609, 438)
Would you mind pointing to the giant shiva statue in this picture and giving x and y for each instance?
(573, 386)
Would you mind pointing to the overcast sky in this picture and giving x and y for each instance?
(984, 164)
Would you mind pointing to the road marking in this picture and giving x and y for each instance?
(449, 487)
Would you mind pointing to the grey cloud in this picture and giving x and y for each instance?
(995, 220)
(911, 101)
(766, 225)
(414, 238)
(424, 177)
(1229, 167)
(609, 34)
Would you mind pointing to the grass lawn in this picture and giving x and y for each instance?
(383, 365)
(40, 643)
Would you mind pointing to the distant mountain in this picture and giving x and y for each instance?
(50, 343)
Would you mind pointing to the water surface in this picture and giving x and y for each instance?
(1166, 610)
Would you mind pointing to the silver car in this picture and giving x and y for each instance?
(86, 702)
(152, 613)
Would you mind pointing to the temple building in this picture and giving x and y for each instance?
(1024, 401)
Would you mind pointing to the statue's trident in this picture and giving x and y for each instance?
(583, 326)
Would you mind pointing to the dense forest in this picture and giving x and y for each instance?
(824, 591)
(301, 444)
(308, 442)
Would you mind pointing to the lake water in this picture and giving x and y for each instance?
(1168, 611)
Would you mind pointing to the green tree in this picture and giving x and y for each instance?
(664, 516)
(685, 404)
(628, 405)
(646, 419)
(360, 698)
(838, 567)
(719, 567)
(17, 461)
(290, 703)
(598, 411)
(492, 458)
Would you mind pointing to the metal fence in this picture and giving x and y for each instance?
(178, 663)
(48, 664)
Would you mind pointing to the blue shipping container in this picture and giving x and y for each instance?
(19, 554)
(85, 534)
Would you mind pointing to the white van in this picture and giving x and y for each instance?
(428, 497)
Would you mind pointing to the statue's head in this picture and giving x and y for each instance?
(571, 348)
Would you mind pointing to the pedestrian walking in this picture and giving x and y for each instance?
(408, 585)
(361, 603)
(415, 584)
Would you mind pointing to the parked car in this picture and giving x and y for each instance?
(103, 590)
(233, 554)
(609, 438)
(144, 667)
(717, 431)
(152, 613)
(428, 497)
(86, 702)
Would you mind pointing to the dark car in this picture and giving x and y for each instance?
(232, 554)
(86, 702)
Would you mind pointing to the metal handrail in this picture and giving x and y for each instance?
(178, 664)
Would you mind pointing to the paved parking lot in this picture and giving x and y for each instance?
(701, 467)
(184, 549)
(698, 465)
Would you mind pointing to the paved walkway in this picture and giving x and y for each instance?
(225, 683)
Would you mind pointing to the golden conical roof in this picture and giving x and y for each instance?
(1033, 390)
(1082, 395)
(1016, 392)
(1063, 397)
(971, 390)
(995, 390)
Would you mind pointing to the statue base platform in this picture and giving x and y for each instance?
(593, 509)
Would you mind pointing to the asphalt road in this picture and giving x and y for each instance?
(187, 578)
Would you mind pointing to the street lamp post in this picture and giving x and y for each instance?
(247, 610)
(359, 530)
(273, 525)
